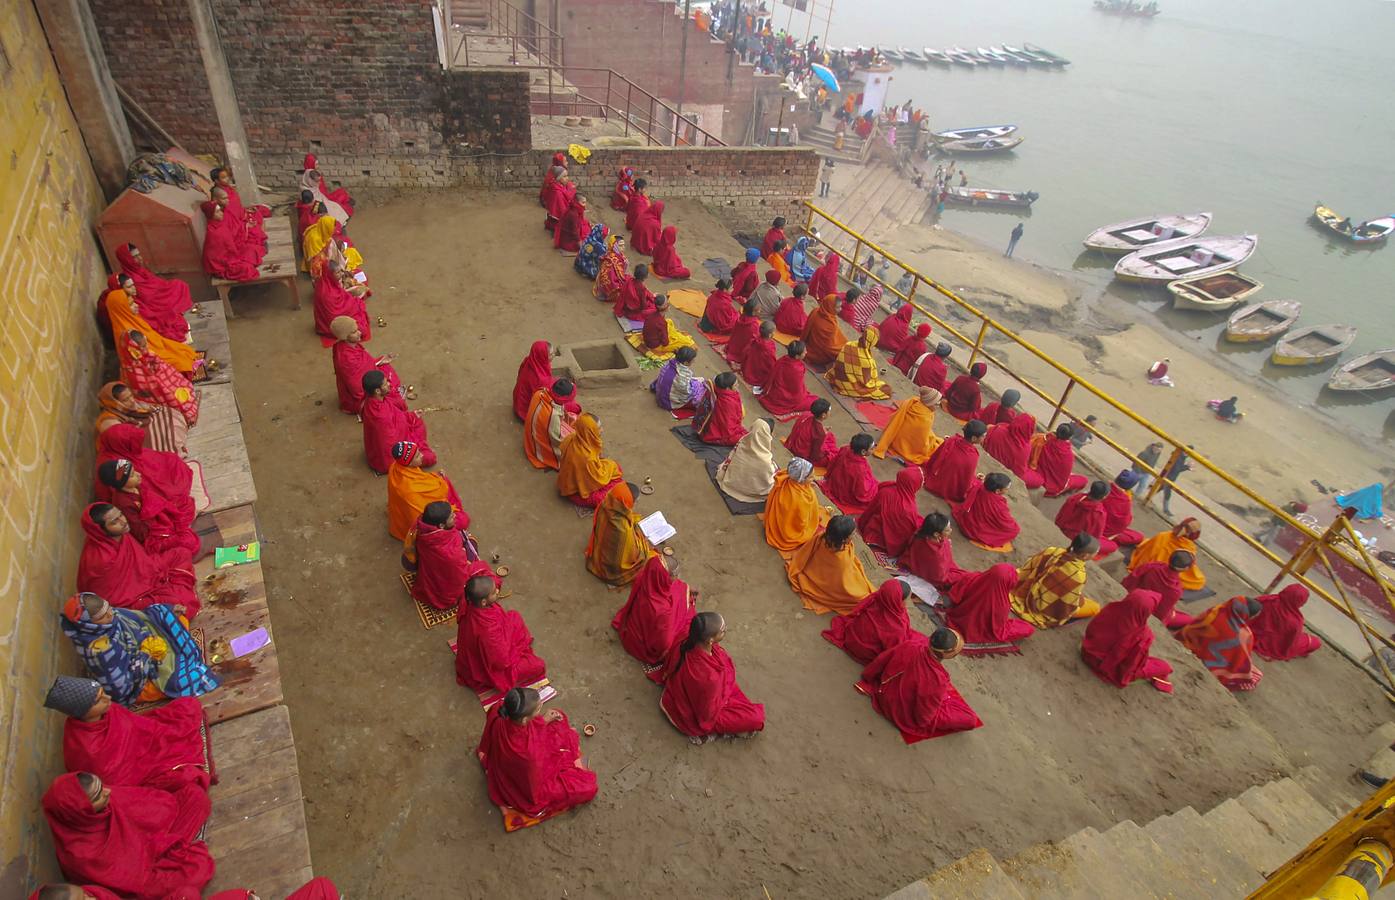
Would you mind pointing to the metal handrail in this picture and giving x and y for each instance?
(658, 121)
(1333, 541)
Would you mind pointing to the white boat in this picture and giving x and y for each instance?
(981, 145)
(974, 196)
(964, 59)
(1010, 57)
(1030, 57)
(1372, 372)
(1186, 258)
(991, 55)
(976, 133)
(1313, 345)
(1212, 293)
(938, 57)
(1135, 234)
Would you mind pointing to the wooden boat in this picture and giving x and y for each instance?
(1055, 59)
(1371, 372)
(1029, 56)
(893, 55)
(1366, 233)
(1135, 234)
(1212, 293)
(1012, 58)
(912, 55)
(1185, 258)
(988, 145)
(1020, 56)
(1129, 9)
(1262, 321)
(1313, 345)
(972, 196)
(939, 57)
(991, 55)
(960, 57)
(976, 133)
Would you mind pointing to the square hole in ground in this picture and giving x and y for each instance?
(601, 358)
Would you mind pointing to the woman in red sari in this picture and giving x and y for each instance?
(791, 316)
(878, 623)
(1278, 629)
(913, 349)
(116, 567)
(891, 519)
(154, 380)
(952, 467)
(1221, 638)
(1086, 513)
(745, 278)
(825, 280)
(386, 420)
(310, 176)
(534, 373)
(138, 842)
(624, 187)
(648, 228)
(352, 362)
(1055, 462)
(614, 270)
(701, 697)
(1118, 510)
(963, 397)
(532, 762)
(639, 202)
(850, 482)
(985, 517)
(773, 235)
(667, 263)
(225, 251)
(572, 228)
(656, 616)
(823, 336)
(333, 300)
(930, 554)
(895, 329)
(439, 550)
(559, 161)
(1002, 410)
(743, 334)
(249, 221)
(1117, 640)
(785, 391)
(719, 316)
(159, 518)
(163, 301)
(166, 471)
(719, 419)
(981, 611)
(810, 438)
(493, 646)
(634, 301)
(910, 688)
(759, 362)
(557, 199)
(930, 370)
(1011, 445)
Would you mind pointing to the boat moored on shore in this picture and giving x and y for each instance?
(1262, 321)
(1312, 346)
(976, 133)
(1135, 234)
(1186, 258)
(972, 196)
(981, 145)
(1371, 372)
(1212, 293)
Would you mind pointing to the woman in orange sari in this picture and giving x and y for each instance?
(165, 429)
(823, 337)
(776, 261)
(410, 488)
(1161, 546)
(792, 512)
(615, 268)
(551, 414)
(320, 247)
(618, 549)
(124, 313)
(826, 573)
(583, 475)
(153, 379)
(910, 435)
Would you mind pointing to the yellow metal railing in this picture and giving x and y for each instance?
(1339, 541)
(1349, 861)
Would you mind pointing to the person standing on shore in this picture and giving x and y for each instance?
(963, 178)
(826, 177)
(1148, 456)
(1012, 241)
(1173, 473)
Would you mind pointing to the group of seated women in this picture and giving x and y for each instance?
(234, 241)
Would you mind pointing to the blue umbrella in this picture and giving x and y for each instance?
(827, 77)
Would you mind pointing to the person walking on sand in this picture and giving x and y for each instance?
(1012, 241)
(1173, 473)
(1147, 456)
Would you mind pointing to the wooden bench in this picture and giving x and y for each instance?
(217, 445)
(278, 265)
(209, 331)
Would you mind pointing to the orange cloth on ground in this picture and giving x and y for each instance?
(777, 262)
(582, 470)
(545, 427)
(792, 514)
(124, 319)
(409, 489)
(910, 434)
(1160, 547)
(828, 580)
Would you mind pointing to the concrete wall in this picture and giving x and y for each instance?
(49, 365)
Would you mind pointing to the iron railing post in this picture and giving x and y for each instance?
(1158, 480)
(1060, 404)
(978, 343)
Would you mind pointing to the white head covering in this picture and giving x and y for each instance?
(748, 473)
(800, 469)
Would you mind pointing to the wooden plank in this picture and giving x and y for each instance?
(243, 739)
(282, 820)
(237, 525)
(249, 803)
(248, 683)
(274, 865)
(255, 774)
(217, 407)
(222, 590)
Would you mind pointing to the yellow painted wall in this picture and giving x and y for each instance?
(50, 359)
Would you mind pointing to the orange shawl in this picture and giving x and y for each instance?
(910, 434)
(777, 262)
(582, 470)
(545, 427)
(124, 318)
(827, 580)
(1160, 547)
(792, 514)
(409, 489)
(822, 334)
(618, 549)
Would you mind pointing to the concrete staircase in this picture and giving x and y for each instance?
(469, 14)
(822, 138)
(881, 199)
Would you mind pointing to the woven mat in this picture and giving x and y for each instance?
(995, 648)
(430, 615)
(717, 267)
(886, 562)
(877, 414)
(692, 302)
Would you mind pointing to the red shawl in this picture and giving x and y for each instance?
(950, 470)
(784, 391)
(850, 482)
(913, 349)
(572, 228)
(339, 195)
(163, 301)
(745, 333)
(724, 425)
(891, 519)
(1278, 628)
(649, 225)
(1080, 513)
(767, 246)
(248, 223)
(656, 616)
(655, 330)
(1011, 443)
(896, 329)
(557, 199)
(160, 520)
(1158, 578)
(123, 573)
(1055, 465)
(443, 566)
(701, 696)
(1117, 639)
(964, 397)
(759, 362)
(532, 766)
(351, 361)
(624, 188)
(1118, 511)
(306, 216)
(878, 623)
(333, 300)
(534, 373)
(135, 846)
(981, 608)
(721, 313)
(995, 413)
(985, 517)
(162, 748)
(558, 159)
(933, 561)
(667, 263)
(745, 278)
(127, 441)
(791, 317)
(494, 649)
(638, 205)
(225, 251)
(913, 691)
(931, 373)
(810, 440)
(386, 420)
(633, 301)
(825, 280)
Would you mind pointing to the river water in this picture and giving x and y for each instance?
(1253, 110)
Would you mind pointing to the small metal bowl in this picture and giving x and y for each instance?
(502, 571)
(647, 489)
(588, 729)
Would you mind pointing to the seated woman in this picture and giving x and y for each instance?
(226, 253)
(386, 420)
(557, 199)
(825, 280)
(1161, 546)
(163, 301)
(550, 173)
(551, 418)
(720, 314)
(532, 759)
(800, 260)
(1010, 444)
(635, 302)
(320, 247)
(410, 490)
(774, 234)
(776, 260)
(745, 278)
(169, 472)
(165, 747)
(909, 686)
(1278, 629)
(617, 549)
(164, 429)
(859, 307)
(659, 335)
(850, 482)
(744, 333)
(792, 512)
(856, 373)
(980, 609)
(810, 437)
(930, 370)
(123, 311)
(701, 697)
(1054, 461)
(158, 517)
(825, 571)
(759, 361)
(784, 392)
(964, 397)
(352, 362)
(791, 316)
(648, 228)
(667, 263)
(767, 295)
(891, 519)
(1161, 578)
(305, 212)
(655, 617)
(952, 466)
(340, 204)
(720, 414)
(613, 272)
(133, 841)
(534, 373)
(639, 203)
(910, 435)
(588, 259)
(624, 186)
(930, 554)
(584, 476)
(1050, 586)
(1221, 638)
(896, 329)
(153, 379)
(912, 351)
(1118, 510)
(677, 387)
(875, 625)
(823, 336)
(442, 554)
(573, 227)
(114, 565)
(748, 472)
(493, 646)
(1085, 512)
(136, 655)
(333, 300)
(1117, 640)
(985, 517)
(1002, 410)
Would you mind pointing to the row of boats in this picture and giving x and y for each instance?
(997, 55)
(1130, 8)
(1198, 270)
(978, 139)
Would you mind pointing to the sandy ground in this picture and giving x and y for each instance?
(827, 802)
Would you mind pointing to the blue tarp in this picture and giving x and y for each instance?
(1367, 501)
